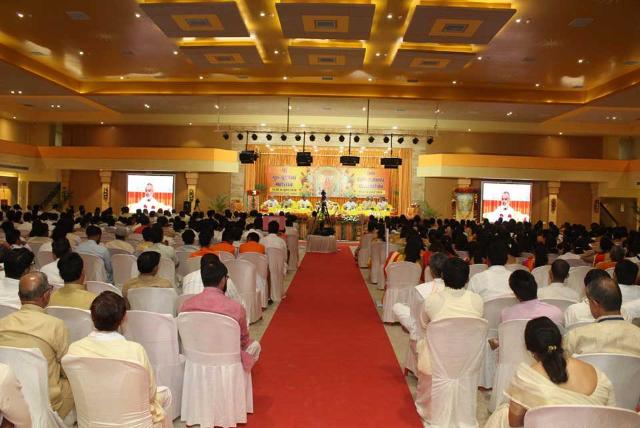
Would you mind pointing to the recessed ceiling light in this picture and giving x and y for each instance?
(455, 82)
(364, 109)
(13, 92)
(121, 77)
(80, 53)
(138, 15)
(348, 126)
(101, 123)
(479, 58)
(468, 129)
(608, 118)
(370, 79)
(377, 53)
(263, 14)
(581, 60)
(20, 15)
(437, 111)
(13, 117)
(276, 51)
(509, 113)
(290, 107)
(147, 106)
(217, 106)
(560, 133)
(190, 123)
(175, 52)
(390, 16)
(519, 20)
(284, 77)
(537, 85)
(302, 125)
(614, 118)
(201, 77)
(263, 124)
(394, 127)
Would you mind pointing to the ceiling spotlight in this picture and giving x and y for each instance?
(101, 123)
(390, 16)
(454, 82)
(20, 15)
(327, 138)
(121, 77)
(276, 51)
(225, 136)
(216, 106)
(302, 125)
(394, 127)
(537, 85)
(240, 136)
(372, 139)
(312, 138)
(519, 20)
(263, 124)
(290, 108)
(283, 137)
(430, 140)
(370, 79)
(468, 129)
(356, 138)
(284, 77)
(479, 58)
(13, 117)
(560, 133)
(364, 109)
(400, 140)
(416, 140)
(341, 138)
(298, 137)
(269, 137)
(147, 106)
(581, 60)
(190, 123)
(254, 137)
(386, 140)
(81, 53)
(510, 113)
(175, 52)
(263, 14)
(137, 15)
(201, 77)
(614, 118)
(378, 54)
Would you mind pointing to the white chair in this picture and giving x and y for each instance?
(224, 255)
(158, 334)
(561, 304)
(217, 390)
(455, 347)
(167, 270)
(94, 269)
(364, 253)
(78, 321)
(401, 278)
(35, 249)
(262, 273)
(181, 299)
(44, 257)
(98, 287)
(6, 310)
(575, 281)
(192, 264)
(151, 299)
(109, 392)
(243, 275)
(511, 352)
(492, 312)
(292, 247)
(182, 257)
(276, 258)
(610, 271)
(464, 255)
(575, 325)
(124, 268)
(580, 417)
(576, 263)
(378, 257)
(624, 373)
(114, 251)
(476, 269)
(541, 275)
(31, 370)
(515, 267)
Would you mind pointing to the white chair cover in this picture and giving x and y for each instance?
(114, 251)
(455, 349)
(181, 299)
(575, 281)
(31, 369)
(98, 287)
(401, 278)
(159, 300)
(378, 257)
(541, 275)
(624, 373)
(109, 393)
(511, 353)
(223, 256)
(477, 268)
(428, 277)
(262, 274)
(292, 247)
(44, 257)
(182, 257)
(321, 244)
(561, 304)
(580, 417)
(577, 263)
(276, 259)
(6, 310)
(167, 270)
(78, 321)
(35, 249)
(217, 391)
(158, 334)
(610, 271)
(243, 275)
(570, 327)
(94, 269)
(364, 253)
(492, 312)
(515, 267)
(192, 264)
(124, 268)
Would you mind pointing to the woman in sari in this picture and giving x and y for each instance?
(553, 380)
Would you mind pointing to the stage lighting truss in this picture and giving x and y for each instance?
(352, 137)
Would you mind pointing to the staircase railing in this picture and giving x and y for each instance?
(53, 194)
(605, 210)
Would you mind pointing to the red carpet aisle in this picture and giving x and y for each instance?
(326, 360)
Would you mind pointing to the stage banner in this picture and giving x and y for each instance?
(336, 181)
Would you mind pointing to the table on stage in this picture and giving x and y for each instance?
(321, 244)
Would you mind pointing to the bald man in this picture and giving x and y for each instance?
(31, 327)
(610, 333)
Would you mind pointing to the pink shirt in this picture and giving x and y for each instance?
(213, 300)
(531, 309)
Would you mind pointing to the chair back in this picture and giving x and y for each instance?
(224, 255)
(243, 275)
(108, 392)
(427, 275)
(493, 310)
(561, 304)
(157, 333)
(6, 310)
(364, 254)
(580, 417)
(378, 257)
(624, 373)
(114, 251)
(200, 344)
(94, 269)
(98, 287)
(455, 349)
(167, 270)
(276, 259)
(570, 327)
(124, 268)
(192, 264)
(610, 271)
(476, 268)
(152, 299)
(35, 249)
(78, 321)
(31, 370)
(259, 261)
(577, 263)
(541, 275)
(182, 257)
(575, 281)
(515, 267)
(403, 275)
(44, 257)
(292, 247)
(181, 299)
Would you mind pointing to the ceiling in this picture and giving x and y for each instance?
(543, 66)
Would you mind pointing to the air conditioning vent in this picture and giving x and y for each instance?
(455, 28)
(198, 22)
(325, 24)
(77, 15)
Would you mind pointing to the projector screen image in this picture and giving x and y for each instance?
(506, 201)
(150, 192)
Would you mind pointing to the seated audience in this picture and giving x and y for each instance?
(59, 248)
(148, 265)
(626, 274)
(252, 245)
(226, 245)
(557, 288)
(92, 246)
(554, 379)
(493, 282)
(212, 299)
(188, 238)
(17, 262)
(157, 236)
(13, 406)
(273, 239)
(580, 312)
(616, 254)
(524, 287)
(120, 242)
(31, 327)
(13, 238)
(610, 333)
(108, 312)
(204, 239)
(39, 234)
(74, 294)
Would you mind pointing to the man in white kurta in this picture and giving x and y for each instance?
(493, 282)
(557, 288)
(108, 311)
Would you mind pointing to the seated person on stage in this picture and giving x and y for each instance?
(31, 327)
(367, 204)
(524, 286)
(74, 294)
(616, 254)
(157, 237)
(625, 274)
(17, 262)
(271, 203)
(288, 203)
(557, 288)
(554, 379)
(382, 205)
(148, 265)
(204, 238)
(13, 405)
(188, 237)
(92, 246)
(350, 205)
(227, 242)
(120, 242)
(580, 312)
(252, 245)
(212, 299)
(610, 333)
(304, 203)
(108, 312)
(493, 282)
(273, 239)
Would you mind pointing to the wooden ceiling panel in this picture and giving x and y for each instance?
(326, 20)
(414, 61)
(17, 81)
(329, 58)
(228, 56)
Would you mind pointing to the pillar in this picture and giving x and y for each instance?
(105, 194)
(463, 183)
(23, 192)
(595, 202)
(65, 177)
(553, 188)
(192, 187)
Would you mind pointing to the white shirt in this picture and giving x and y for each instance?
(578, 312)
(557, 290)
(350, 205)
(274, 241)
(491, 283)
(631, 310)
(9, 292)
(12, 401)
(52, 272)
(629, 292)
(416, 303)
(192, 284)
(568, 256)
(304, 203)
(382, 205)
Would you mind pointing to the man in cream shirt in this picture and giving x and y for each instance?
(557, 288)
(610, 333)
(74, 294)
(493, 282)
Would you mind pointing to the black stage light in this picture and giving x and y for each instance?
(341, 138)
(269, 137)
(386, 140)
(416, 140)
(430, 140)
(391, 163)
(248, 156)
(312, 138)
(240, 136)
(327, 138)
(356, 138)
(298, 137)
(225, 136)
(400, 140)
(283, 137)
(254, 137)
(371, 139)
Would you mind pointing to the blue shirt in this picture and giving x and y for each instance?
(90, 247)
